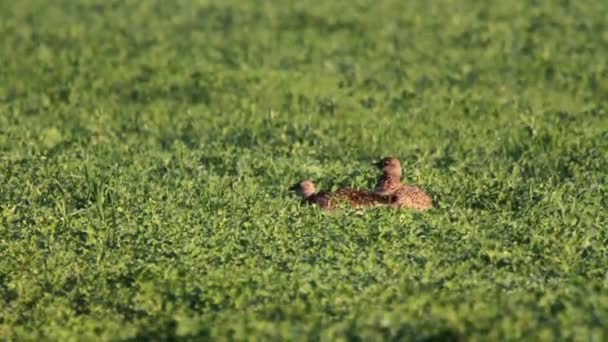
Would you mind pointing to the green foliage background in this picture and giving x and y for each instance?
(146, 148)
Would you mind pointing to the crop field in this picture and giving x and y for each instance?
(146, 149)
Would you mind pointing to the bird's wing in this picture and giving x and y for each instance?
(415, 197)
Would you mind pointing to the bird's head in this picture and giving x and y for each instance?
(390, 166)
(304, 188)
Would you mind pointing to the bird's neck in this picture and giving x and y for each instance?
(308, 194)
(392, 176)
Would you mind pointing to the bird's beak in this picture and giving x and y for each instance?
(377, 163)
(293, 187)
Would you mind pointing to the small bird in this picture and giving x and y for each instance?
(399, 194)
(330, 201)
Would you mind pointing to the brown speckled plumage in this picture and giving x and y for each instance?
(330, 201)
(400, 195)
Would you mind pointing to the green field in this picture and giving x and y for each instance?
(146, 148)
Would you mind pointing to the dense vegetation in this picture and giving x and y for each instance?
(146, 148)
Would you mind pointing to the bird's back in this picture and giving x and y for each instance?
(358, 198)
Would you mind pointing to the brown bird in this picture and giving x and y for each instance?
(399, 194)
(330, 201)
